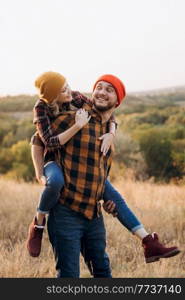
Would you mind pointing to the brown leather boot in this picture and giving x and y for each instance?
(34, 240)
(154, 250)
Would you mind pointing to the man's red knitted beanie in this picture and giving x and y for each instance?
(116, 83)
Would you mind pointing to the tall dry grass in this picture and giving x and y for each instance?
(161, 208)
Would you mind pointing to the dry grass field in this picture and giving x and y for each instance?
(161, 208)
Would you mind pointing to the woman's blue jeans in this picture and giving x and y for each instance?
(51, 192)
(124, 213)
(55, 182)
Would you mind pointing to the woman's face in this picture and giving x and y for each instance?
(65, 95)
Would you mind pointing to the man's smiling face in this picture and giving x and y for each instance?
(104, 96)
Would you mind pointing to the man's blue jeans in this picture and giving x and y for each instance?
(67, 229)
(55, 182)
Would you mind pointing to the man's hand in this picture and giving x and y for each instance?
(82, 117)
(42, 179)
(107, 140)
(109, 206)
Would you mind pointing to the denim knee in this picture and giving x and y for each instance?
(54, 175)
(55, 183)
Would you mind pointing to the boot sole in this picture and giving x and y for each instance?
(166, 255)
(33, 254)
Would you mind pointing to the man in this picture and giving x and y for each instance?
(77, 216)
(77, 219)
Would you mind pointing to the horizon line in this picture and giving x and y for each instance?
(134, 92)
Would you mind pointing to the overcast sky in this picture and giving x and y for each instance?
(140, 41)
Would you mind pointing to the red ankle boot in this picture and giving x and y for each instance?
(154, 250)
(34, 240)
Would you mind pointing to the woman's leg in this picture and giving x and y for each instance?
(124, 213)
(153, 248)
(55, 182)
(48, 199)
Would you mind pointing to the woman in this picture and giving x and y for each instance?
(54, 97)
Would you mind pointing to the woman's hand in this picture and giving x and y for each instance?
(107, 140)
(82, 117)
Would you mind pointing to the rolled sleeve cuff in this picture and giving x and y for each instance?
(35, 140)
(53, 143)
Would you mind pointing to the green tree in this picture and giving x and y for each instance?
(6, 160)
(22, 165)
(157, 152)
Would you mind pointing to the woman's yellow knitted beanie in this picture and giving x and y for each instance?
(49, 85)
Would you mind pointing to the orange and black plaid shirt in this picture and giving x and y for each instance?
(84, 166)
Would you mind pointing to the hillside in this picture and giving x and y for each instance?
(150, 139)
(168, 96)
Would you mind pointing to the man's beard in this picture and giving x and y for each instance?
(103, 108)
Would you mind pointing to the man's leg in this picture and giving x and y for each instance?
(94, 248)
(65, 232)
